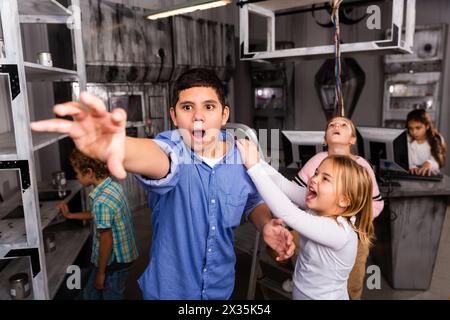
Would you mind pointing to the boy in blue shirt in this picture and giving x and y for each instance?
(198, 187)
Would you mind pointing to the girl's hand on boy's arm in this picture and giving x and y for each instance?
(279, 239)
(96, 132)
(249, 152)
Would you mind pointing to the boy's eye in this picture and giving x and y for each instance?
(209, 107)
(187, 107)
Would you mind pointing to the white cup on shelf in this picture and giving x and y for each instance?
(45, 59)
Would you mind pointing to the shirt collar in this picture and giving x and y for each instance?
(99, 189)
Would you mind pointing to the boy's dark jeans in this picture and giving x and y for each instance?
(114, 285)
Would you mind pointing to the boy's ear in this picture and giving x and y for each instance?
(90, 172)
(173, 116)
(225, 114)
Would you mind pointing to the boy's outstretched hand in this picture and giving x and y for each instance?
(279, 239)
(96, 132)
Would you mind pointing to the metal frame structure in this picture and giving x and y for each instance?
(397, 43)
(241, 130)
(19, 152)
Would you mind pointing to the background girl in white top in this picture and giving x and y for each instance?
(340, 195)
(426, 147)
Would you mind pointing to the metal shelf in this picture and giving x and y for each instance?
(37, 72)
(25, 233)
(43, 139)
(277, 5)
(13, 230)
(40, 140)
(403, 16)
(15, 266)
(7, 146)
(69, 241)
(43, 11)
(42, 8)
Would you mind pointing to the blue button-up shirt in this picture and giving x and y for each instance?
(195, 209)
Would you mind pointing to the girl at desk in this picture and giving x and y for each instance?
(426, 147)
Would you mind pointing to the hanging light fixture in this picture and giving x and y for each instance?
(352, 83)
(189, 6)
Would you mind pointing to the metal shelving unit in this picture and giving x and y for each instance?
(403, 16)
(22, 238)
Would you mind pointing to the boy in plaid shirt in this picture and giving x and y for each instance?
(114, 245)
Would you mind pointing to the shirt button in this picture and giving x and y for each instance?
(204, 270)
(203, 291)
(213, 172)
(213, 200)
(213, 228)
(209, 250)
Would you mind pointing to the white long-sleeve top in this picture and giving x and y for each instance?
(328, 246)
(418, 153)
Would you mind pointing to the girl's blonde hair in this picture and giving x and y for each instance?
(354, 183)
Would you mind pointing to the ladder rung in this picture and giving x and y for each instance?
(274, 286)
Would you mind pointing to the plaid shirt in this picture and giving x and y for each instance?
(111, 211)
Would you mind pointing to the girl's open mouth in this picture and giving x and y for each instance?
(311, 194)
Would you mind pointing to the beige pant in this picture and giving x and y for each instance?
(355, 282)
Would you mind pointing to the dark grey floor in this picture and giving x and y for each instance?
(439, 288)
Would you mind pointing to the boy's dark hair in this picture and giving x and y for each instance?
(198, 77)
(82, 162)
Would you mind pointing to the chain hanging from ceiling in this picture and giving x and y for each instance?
(335, 4)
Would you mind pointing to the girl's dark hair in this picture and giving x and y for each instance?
(437, 144)
(198, 77)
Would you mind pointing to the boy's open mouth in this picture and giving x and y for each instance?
(198, 134)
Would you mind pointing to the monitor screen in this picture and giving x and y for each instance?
(268, 98)
(377, 144)
(300, 146)
(132, 103)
